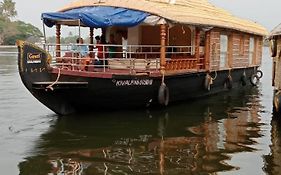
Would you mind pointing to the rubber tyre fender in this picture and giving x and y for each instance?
(273, 47)
(163, 95)
(208, 82)
(244, 80)
(229, 82)
(259, 73)
(252, 79)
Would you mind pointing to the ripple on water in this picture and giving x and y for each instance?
(227, 133)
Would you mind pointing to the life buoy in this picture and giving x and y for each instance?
(208, 82)
(228, 82)
(259, 73)
(254, 79)
(273, 47)
(163, 95)
(276, 103)
(244, 79)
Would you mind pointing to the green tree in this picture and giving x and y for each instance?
(24, 31)
(7, 29)
(7, 9)
(10, 31)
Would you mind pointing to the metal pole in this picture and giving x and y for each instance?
(79, 28)
(44, 33)
(91, 47)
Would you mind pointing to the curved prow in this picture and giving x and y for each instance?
(34, 66)
(33, 63)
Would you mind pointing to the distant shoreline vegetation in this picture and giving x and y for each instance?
(10, 30)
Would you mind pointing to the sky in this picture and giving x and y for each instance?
(264, 12)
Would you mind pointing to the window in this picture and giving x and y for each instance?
(223, 51)
(251, 50)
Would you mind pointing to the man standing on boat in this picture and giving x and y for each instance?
(81, 49)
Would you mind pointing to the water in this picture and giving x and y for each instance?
(229, 133)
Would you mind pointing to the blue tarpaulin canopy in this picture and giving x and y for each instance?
(96, 17)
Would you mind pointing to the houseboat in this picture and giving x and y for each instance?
(150, 53)
(275, 48)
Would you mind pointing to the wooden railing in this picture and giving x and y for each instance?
(180, 64)
(139, 57)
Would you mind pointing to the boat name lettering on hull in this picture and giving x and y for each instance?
(143, 82)
(34, 58)
(38, 70)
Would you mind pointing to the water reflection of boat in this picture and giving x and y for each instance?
(164, 51)
(272, 161)
(185, 139)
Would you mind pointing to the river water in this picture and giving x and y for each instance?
(229, 133)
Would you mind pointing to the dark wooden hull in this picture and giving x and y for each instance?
(73, 93)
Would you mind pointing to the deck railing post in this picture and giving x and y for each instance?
(58, 27)
(163, 45)
(197, 47)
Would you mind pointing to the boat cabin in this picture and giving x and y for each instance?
(152, 36)
(275, 47)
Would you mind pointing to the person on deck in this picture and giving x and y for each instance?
(80, 48)
(124, 44)
(81, 51)
(99, 47)
(112, 48)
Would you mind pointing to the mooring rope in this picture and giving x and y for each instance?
(216, 74)
(163, 77)
(51, 85)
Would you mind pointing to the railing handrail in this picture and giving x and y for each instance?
(117, 45)
(125, 57)
(8, 46)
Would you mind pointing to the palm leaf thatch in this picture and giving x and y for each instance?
(193, 12)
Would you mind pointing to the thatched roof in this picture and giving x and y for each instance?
(194, 12)
(276, 31)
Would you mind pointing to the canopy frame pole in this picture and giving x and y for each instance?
(207, 50)
(197, 47)
(91, 47)
(79, 30)
(163, 34)
(44, 33)
(58, 42)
